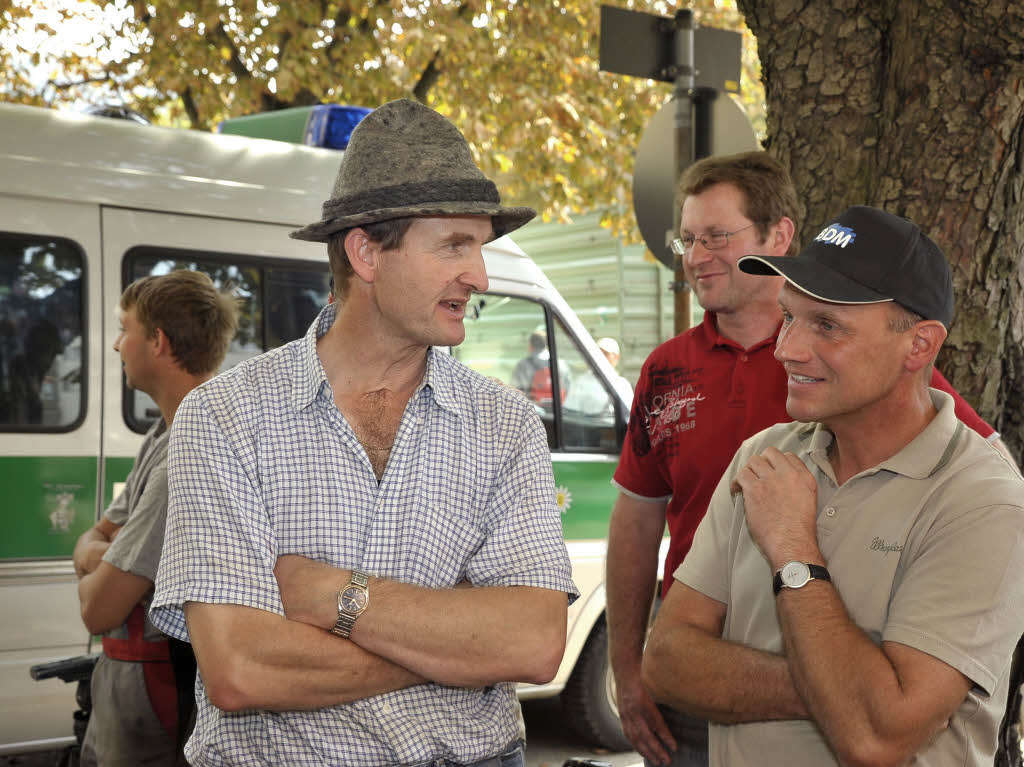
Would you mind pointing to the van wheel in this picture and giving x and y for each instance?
(589, 697)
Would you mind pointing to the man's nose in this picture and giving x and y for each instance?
(792, 344)
(475, 275)
(697, 254)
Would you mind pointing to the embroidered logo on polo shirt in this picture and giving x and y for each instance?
(880, 544)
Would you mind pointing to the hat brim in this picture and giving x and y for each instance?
(504, 220)
(813, 278)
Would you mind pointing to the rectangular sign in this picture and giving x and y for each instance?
(643, 45)
(717, 57)
(635, 43)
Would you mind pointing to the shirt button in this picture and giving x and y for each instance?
(744, 358)
(831, 511)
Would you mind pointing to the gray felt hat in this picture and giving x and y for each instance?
(405, 159)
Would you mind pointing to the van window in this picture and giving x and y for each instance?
(42, 376)
(588, 410)
(278, 301)
(507, 339)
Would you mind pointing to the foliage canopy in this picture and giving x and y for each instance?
(519, 77)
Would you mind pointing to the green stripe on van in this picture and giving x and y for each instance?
(52, 501)
(585, 495)
(114, 470)
(49, 502)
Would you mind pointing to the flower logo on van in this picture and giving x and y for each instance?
(63, 514)
(563, 498)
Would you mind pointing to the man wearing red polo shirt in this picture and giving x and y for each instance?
(699, 396)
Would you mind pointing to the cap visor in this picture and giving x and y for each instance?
(813, 278)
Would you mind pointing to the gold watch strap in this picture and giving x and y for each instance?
(346, 620)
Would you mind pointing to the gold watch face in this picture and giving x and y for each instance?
(353, 600)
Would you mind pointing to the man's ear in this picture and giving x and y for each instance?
(362, 254)
(783, 232)
(924, 347)
(160, 343)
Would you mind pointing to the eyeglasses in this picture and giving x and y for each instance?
(714, 241)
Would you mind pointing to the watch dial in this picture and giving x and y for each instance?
(353, 600)
(795, 574)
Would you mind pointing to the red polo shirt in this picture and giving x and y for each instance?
(699, 396)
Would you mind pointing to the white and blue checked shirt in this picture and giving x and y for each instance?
(263, 464)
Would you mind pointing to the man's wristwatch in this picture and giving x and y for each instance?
(352, 600)
(796, 575)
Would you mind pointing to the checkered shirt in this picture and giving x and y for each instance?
(263, 464)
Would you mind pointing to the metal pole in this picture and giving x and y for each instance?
(684, 92)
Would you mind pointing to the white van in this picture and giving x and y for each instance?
(89, 204)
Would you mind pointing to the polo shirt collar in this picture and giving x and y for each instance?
(928, 452)
(709, 335)
(310, 377)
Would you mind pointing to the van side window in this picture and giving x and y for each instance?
(42, 376)
(279, 301)
(506, 339)
(588, 410)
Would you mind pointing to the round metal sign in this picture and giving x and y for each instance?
(654, 180)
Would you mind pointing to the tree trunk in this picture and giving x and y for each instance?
(916, 106)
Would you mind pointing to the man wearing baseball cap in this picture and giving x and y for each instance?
(699, 395)
(363, 545)
(853, 594)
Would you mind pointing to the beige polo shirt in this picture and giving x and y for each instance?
(925, 549)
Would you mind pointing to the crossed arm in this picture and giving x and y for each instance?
(875, 705)
(468, 637)
(106, 593)
(258, 659)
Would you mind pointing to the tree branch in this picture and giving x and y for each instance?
(428, 78)
(235, 63)
(104, 78)
(191, 108)
(432, 71)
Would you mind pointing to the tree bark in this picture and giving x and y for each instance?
(916, 106)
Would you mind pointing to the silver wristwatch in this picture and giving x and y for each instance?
(352, 601)
(796, 575)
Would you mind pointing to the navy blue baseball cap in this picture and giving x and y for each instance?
(868, 256)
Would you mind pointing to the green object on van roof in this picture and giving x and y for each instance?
(280, 125)
(322, 125)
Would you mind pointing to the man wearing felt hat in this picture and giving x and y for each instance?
(363, 544)
(853, 594)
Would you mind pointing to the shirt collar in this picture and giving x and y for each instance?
(708, 330)
(441, 380)
(928, 452)
(311, 378)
